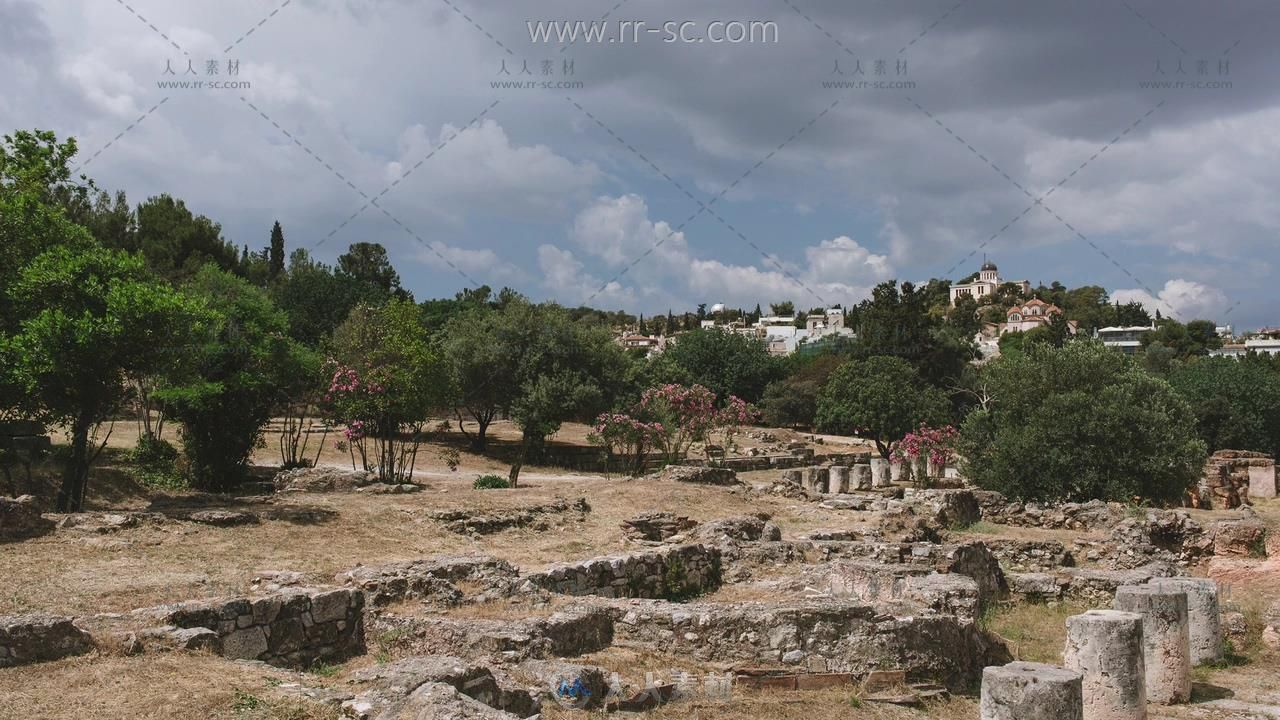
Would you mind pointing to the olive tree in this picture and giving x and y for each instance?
(882, 398)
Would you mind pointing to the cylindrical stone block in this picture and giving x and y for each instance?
(881, 472)
(1166, 643)
(861, 476)
(1030, 691)
(896, 469)
(838, 481)
(921, 471)
(1105, 647)
(1204, 620)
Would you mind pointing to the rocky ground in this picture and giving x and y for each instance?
(576, 594)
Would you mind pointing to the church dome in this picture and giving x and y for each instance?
(988, 265)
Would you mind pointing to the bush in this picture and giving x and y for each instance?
(155, 464)
(1077, 423)
(491, 482)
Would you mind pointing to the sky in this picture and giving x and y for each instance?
(1132, 144)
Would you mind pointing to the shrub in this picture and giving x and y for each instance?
(1077, 423)
(491, 482)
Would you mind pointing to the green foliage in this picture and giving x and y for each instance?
(724, 362)
(275, 252)
(793, 401)
(1077, 423)
(882, 398)
(564, 370)
(899, 322)
(228, 398)
(386, 381)
(89, 319)
(316, 299)
(177, 243)
(491, 482)
(1236, 402)
(369, 265)
(1195, 338)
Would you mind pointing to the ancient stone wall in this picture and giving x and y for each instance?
(294, 628)
(678, 572)
(39, 638)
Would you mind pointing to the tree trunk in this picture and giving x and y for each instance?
(883, 449)
(76, 475)
(513, 478)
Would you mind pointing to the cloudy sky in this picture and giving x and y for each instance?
(1133, 144)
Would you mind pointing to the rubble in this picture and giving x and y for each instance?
(656, 526)
(538, 517)
(699, 475)
(28, 639)
(322, 479)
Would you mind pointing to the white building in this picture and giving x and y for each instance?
(1260, 345)
(986, 284)
(1125, 339)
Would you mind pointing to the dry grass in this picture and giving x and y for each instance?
(1035, 632)
(147, 687)
(791, 705)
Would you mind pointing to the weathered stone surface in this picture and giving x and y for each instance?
(439, 701)
(1030, 555)
(389, 489)
(673, 572)
(1031, 691)
(563, 634)
(28, 639)
(743, 528)
(20, 518)
(1243, 537)
(1157, 535)
(656, 526)
(1165, 640)
(393, 685)
(580, 687)
(1035, 586)
(1105, 647)
(945, 508)
(699, 475)
(1204, 619)
(1098, 587)
(485, 522)
(293, 628)
(322, 479)
(221, 518)
(430, 578)
(1091, 515)
(848, 636)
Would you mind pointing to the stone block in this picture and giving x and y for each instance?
(1031, 691)
(247, 644)
(1105, 647)
(1262, 481)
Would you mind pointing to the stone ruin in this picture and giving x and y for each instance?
(1232, 477)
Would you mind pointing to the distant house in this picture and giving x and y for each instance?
(986, 284)
(647, 343)
(1125, 339)
(1262, 345)
(1032, 314)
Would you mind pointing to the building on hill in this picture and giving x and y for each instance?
(1127, 340)
(986, 284)
(1032, 314)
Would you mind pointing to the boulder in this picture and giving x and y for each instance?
(20, 518)
(28, 639)
(222, 518)
(699, 475)
(744, 528)
(656, 526)
(1243, 537)
(322, 479)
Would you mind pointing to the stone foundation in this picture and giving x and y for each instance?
(295, 628)
(28, 639)
(678, 572)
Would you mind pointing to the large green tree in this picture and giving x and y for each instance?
(793, 400)
(90, 319)
(176, 242)
(882, 398)
(897, 321)
(1236, 402)
(726, 363)
(225, 403)
(567, 370)
(1077, 423)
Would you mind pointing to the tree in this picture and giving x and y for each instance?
(1236, 402)
(882, 398)
(482, 351)
(276, 251)
(782, 309)
(793, 401)
(725, 362)
(369, 264)
(177, 243)
(1195, 338)
(90, 319)
(1077, 423)
(896, 321)
(225, 403)
(566, 370)
(386, 380)
(316, 299)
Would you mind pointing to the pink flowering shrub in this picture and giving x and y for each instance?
(936, 444)
(668, 419)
